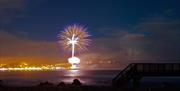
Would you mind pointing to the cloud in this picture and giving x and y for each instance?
(15, 48)
(164, 38)
(120, 47)
(11, 4)
(153, 41)
(10, 9)
(14, 9)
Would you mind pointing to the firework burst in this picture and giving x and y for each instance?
(74, 34)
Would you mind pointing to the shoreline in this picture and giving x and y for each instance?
(47, 86)
(83, 88)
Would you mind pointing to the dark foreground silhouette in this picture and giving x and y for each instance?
(136, 71)
(62, 86)
(78, 86)
(82, 88)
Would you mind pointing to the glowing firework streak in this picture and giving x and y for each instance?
(80, 34)
(74, 36)
(73, 41)
(73, 60)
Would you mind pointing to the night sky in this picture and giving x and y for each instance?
(125, 31)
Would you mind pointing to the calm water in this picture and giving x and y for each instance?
(88, 77)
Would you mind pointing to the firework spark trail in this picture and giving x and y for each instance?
(74, 36)
(73, 41)
(80, 35)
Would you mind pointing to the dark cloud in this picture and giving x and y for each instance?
(14, 9)
(10, 9)
(163, 37)
(155, 41)
(120, 47)
(16, 48)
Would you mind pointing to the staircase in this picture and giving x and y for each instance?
(136, 71)
(124, 76)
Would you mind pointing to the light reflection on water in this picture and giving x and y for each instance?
(87, 77)
(72, 74)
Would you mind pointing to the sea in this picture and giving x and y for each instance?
(86, 77)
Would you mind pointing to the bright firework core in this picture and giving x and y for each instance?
(74, 61)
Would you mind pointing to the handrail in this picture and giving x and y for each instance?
(161, 68)
(129, 66)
